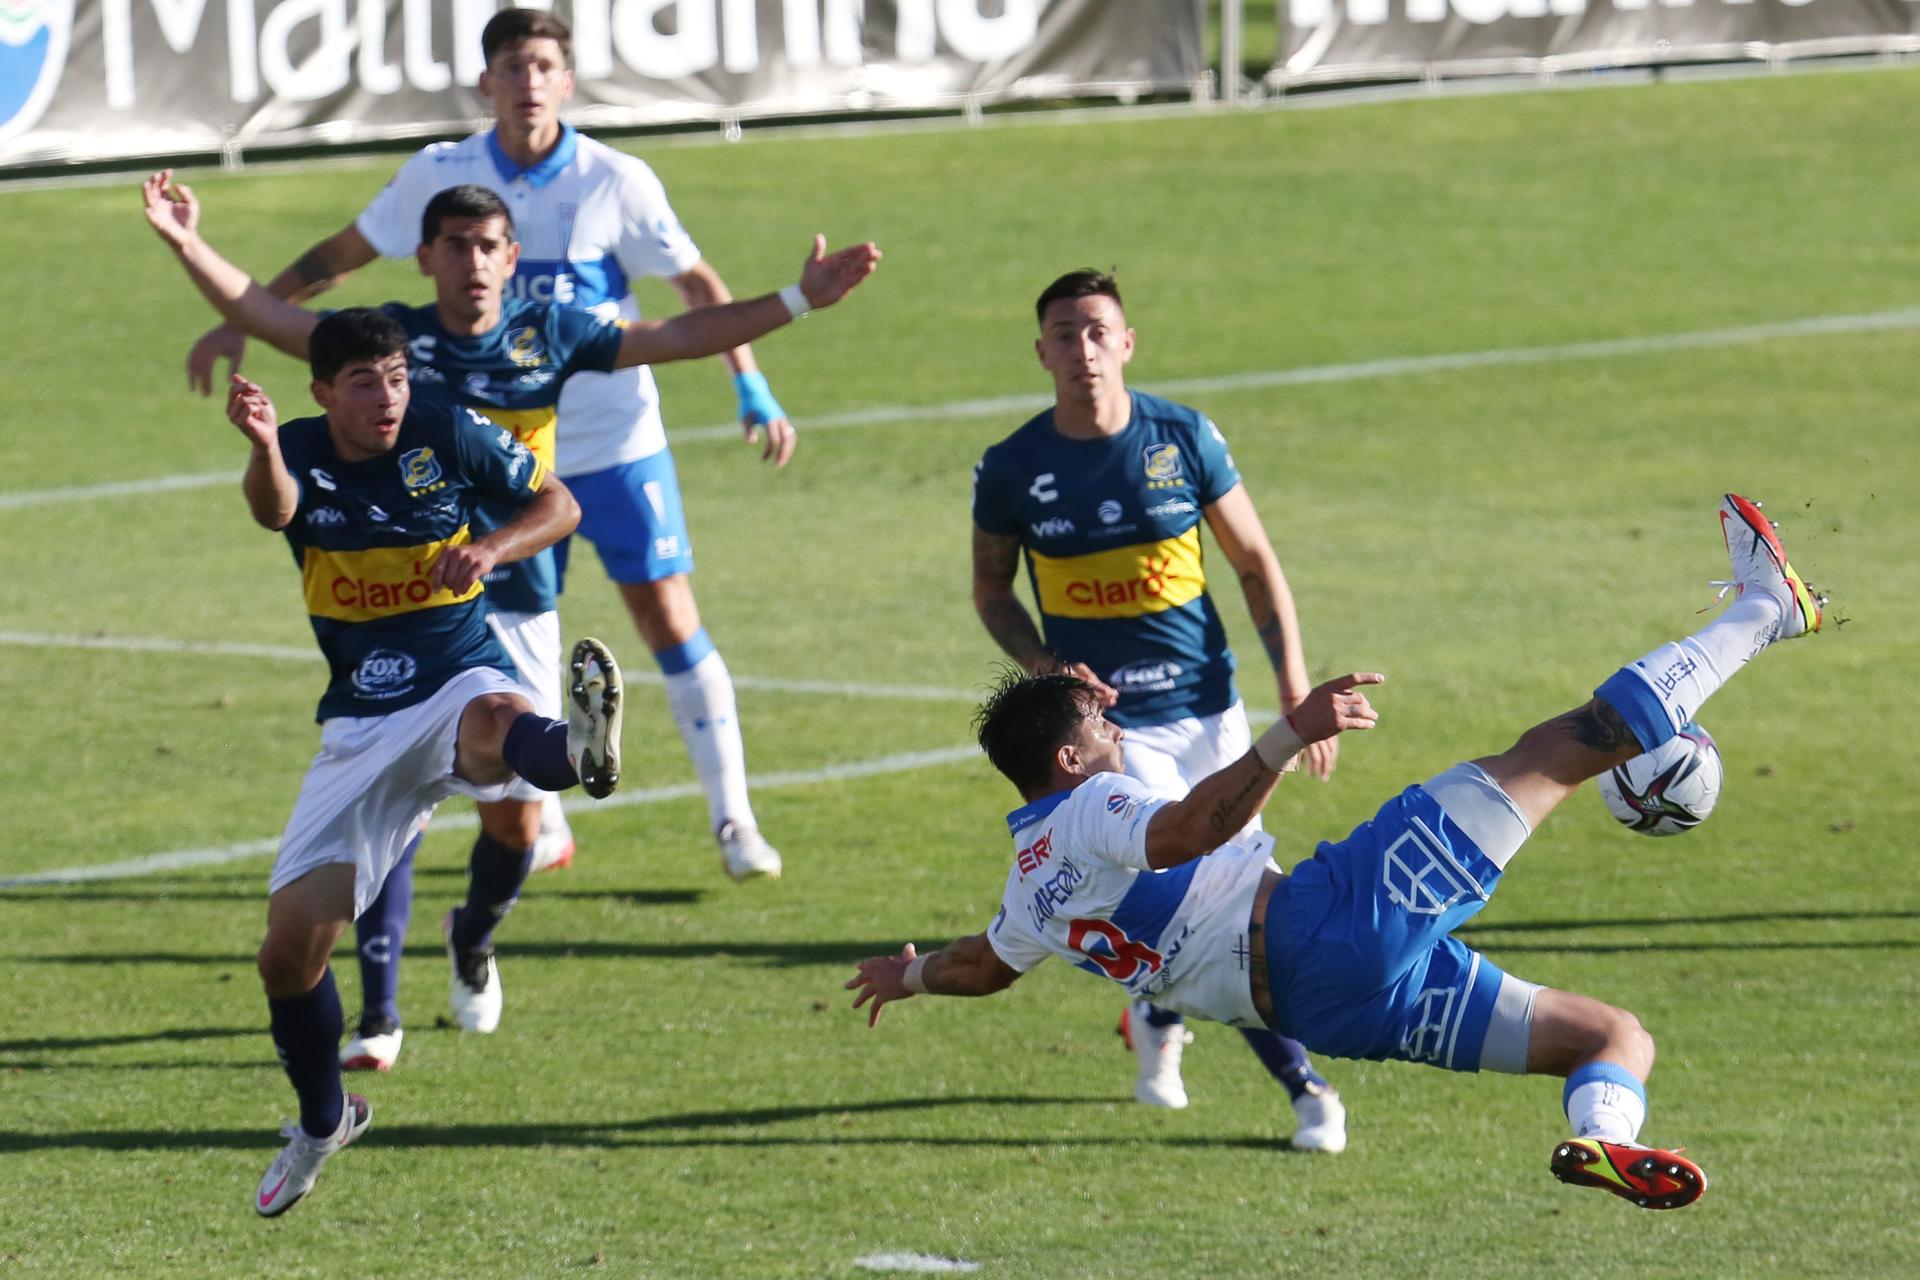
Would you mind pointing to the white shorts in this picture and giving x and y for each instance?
(1170, 758)
(532, 640)
(375, 783)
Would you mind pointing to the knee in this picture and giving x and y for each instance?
(1620, 1038)
(284, 971)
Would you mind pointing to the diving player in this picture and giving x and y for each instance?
(1353, 950)
(593, 220)
(377, 498)
(1106, 493)
(509, 358)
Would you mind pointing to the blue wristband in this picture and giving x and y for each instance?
(757, 404)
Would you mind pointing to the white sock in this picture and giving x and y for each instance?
(553, 818)
(1604, 1101)
(1685, 673)
(701, 699)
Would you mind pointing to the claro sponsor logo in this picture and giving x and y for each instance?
(1157, 576)
(379, 596)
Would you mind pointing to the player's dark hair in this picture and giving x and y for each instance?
(515, 26)
(1028, 718)
(468, 200)
(352, 335)
(1084, 283)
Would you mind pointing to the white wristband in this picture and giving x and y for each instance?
(915, 978)
(795, 299)
(1278, 745)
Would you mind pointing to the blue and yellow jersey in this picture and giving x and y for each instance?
(1111, 530)
(513, 374)
(366, 535)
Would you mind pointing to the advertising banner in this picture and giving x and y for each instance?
(1345, 40)
(100, 79)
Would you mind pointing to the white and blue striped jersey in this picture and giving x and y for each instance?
(591, 220)
(1080, 888)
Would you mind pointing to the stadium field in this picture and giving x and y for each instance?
(1486, 363)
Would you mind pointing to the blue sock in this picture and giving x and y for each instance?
(1284, 1059)
(536, 749)
(1158, 1017)
(495, 873)
(381, 932)
(306, 1034)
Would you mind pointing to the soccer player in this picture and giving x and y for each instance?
(378, 499)
(592, 220)
(510, 359)
(1352, 952)
(1106, 492)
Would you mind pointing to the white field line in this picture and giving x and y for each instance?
(925, 1263)
(291, 653)
(178, 859)
(1006, 406)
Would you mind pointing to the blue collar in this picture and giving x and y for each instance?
(540, 174)
(1028, 814)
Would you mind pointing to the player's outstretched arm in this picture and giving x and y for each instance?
(1222, 803)
(964, 967)
(174, 214)
(550, 515)
(313, 272)
(272, 493)
(708, 331)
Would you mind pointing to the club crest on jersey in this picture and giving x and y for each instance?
(34, 36)
(523, 347)
(420, 471)
(1162, 465)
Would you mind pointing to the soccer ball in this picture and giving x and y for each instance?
(1669, 789)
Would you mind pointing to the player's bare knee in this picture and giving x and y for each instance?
(285, 969)
(514, 823)
(483, 733)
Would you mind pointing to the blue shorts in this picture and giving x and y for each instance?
(632, 515)
(1364, 941)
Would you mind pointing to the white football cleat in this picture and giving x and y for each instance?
(297, 1167)
(374, 1047)
(593, 718)
(1323, 1121)
(553, 847)
(1159, 1050)
(474, 989)
(745, 853)
(1760, 563)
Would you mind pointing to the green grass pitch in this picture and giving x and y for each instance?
(678, 1089)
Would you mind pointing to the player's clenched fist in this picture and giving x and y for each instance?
(249, 409)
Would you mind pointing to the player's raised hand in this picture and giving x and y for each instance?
(881, 979)
(1335, 707)
(249, 409)
(172, 210)
(828, 277)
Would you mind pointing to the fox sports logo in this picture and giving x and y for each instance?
(384, 673)
(33, 53)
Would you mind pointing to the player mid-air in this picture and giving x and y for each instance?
(1352, 952)
(510, 359)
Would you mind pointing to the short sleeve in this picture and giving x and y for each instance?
(1106, 817)
(1012, 937)
(498, 467)
(1217, 472)
(996, 507)
(391, 221)
(590, 344)
(652, 241)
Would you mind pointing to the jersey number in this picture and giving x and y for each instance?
(1119, 956)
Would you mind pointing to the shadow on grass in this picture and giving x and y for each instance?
(691, 1129)
(778, 955)
(46, 1043)
(257, 892)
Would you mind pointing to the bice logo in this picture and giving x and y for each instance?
(33, 53)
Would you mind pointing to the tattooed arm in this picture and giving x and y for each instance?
(1243, 540)
(1222, 803)
(995, 560)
